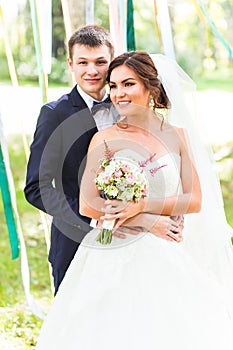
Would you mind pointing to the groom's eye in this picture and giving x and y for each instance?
(101, 62)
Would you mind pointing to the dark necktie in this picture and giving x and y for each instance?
(99, 105)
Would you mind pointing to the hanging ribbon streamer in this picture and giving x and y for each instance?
(202, 18)
(199, 11)
(8, 192)
(66, 17)
(130, 26)
(215, 30)
(115, 26)
(13, 74)
(4, 187)
(9, 55)
(157, 27)
(122, 15)
(43, 79)
(90, 4)
(165, 28)
(44, 16)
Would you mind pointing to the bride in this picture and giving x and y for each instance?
(143, 291)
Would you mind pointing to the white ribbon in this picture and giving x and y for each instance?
(165, 28)
(44, 8)
(90, 19)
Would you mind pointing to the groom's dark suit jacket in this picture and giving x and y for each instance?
(57, 159)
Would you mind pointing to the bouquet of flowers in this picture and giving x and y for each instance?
(120, 179)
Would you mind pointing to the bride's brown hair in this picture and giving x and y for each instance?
(143, 66)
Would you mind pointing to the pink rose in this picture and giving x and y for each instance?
(107, 180)
(125, 168)
(118, 173)
(130, 179)
(144, 191)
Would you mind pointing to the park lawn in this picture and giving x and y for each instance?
(220, 79)
(19, 328)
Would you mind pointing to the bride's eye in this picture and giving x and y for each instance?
(128, 84)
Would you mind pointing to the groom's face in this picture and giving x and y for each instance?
(90, 67)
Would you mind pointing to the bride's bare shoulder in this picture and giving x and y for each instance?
(104, 135)
(176, 130)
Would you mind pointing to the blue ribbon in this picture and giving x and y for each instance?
(4, 187)
(214, 29)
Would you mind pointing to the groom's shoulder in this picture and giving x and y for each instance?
(71, 98)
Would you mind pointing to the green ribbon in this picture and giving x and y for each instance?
(8, 209)
(215, 31)
(36, 35)
(130, 27)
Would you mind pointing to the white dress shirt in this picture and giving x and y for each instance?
(103, 118)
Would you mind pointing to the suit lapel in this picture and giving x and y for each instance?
(83, 113)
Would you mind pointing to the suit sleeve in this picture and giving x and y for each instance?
(44, 167)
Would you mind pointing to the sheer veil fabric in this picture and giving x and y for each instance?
(207, 234)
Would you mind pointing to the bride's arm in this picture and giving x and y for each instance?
(91, 203)
(190, 200)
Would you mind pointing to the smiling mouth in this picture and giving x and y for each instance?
(95, 80)
(123, 103)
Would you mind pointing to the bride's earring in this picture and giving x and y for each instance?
(152, 103)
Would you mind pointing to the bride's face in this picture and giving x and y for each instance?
(127, 92)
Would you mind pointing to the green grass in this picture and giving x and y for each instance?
(225, 170)
(19, 328)
(35, 83)
(214, 84)
(18, 325)
(216, 80)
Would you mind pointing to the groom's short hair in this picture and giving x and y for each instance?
(91, 35)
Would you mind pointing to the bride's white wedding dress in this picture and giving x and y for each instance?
(139, 293)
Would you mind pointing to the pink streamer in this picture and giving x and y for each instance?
(116, 27)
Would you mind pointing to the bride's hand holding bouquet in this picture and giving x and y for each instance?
(123, 183)
(121, 211)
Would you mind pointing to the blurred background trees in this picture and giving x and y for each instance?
(197, 49)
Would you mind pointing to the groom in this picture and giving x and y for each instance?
(57, 158)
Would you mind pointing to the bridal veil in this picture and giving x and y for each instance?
(207, 234)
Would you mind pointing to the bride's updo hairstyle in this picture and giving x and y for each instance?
(143, 66)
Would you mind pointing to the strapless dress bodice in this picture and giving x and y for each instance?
(163, 173)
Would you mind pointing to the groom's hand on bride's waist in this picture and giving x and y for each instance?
(122, 231)
(167, 227)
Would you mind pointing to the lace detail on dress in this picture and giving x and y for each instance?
(163, 173)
